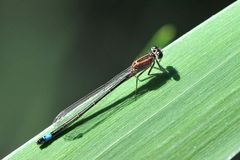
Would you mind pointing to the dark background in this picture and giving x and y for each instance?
(53, 52)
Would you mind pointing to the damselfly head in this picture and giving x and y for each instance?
(156, 52)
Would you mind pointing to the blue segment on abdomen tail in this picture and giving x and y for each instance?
(47, 137)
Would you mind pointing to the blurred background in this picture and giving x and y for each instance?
(53, 52)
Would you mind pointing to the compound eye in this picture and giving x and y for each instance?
(154, 50)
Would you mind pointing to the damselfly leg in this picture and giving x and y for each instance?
(149, 73)
(137, 79)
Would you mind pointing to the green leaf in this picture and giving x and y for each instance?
(190, 113)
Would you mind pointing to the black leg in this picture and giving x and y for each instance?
(137, 79)
(151, 67)
(160, 67)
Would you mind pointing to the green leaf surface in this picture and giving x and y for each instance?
(193, 112)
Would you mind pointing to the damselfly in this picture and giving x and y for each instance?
(137, 68)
